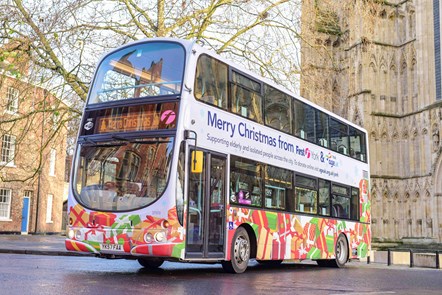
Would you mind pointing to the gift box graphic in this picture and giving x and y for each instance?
(330, 241)
(178, 250)
(79, 215)
(309, 233)
(96, 234)
(362, 250)
(264, 244)
(272, 220)
(296, 243)
(102, 218)
(278, 247)
(124, 224)
(314, 253)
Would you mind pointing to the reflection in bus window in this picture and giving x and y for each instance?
(340, 202)
(339, 136)
(211, 81)
(322, 129)
(278, 109)
(357, 144)
(324, 197)
(122, 175)
(246, 97)
(278, 183)
(354, 210)
(306, 195)
(304, 121)
(245, 182)
(143, 70)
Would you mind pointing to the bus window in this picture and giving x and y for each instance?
(339, 136)
(211, 81)
(124, 175)
(142, 70)
(278, 109)
(245, 182)
(304, 121)
(246, 97)
(354, 212)
(278, 182)
(357, 144)
(322, 129)
(324, 197)
(306, 195)
(340, 202)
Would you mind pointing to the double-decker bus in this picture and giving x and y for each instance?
(184, 156)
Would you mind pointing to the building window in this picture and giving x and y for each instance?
(12, 98)
(49, 209)
(8, 150)
(5, 204)
(53, 157)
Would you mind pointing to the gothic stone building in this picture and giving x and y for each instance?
(32, 153)
(378, 64)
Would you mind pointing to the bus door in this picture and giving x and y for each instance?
(206, 204)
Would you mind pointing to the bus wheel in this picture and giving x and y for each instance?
(151, 263)
(341, 252)
(239, 253)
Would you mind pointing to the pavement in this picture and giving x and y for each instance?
(36, 244)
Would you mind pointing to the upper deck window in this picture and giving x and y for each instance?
(142, 70)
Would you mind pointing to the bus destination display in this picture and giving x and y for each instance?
(126, 122)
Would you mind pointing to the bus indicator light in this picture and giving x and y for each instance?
(165, 224)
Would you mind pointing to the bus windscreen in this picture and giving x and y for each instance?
(143, 70)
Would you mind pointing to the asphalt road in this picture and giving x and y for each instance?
(34, 274)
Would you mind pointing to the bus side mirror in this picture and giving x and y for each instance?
(197, 162)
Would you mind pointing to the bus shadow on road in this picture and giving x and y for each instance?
(184, 269)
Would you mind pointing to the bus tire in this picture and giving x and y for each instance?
(151, 263)
(239, 252)
(341, 252)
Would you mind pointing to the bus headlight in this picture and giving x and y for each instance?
(160, 237)
(78, 234)
(148, 238)
(71, 234)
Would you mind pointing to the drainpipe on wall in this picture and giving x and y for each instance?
(37, 207)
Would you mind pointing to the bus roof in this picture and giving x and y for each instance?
(190, 45)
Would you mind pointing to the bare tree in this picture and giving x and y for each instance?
(62, 41)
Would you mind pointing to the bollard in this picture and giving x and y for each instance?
(388, 257)
(368, 259)
(437, 260)
(411, 258)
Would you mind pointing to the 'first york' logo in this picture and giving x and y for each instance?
(303, 152)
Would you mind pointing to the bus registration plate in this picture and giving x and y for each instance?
(111, 247)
